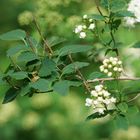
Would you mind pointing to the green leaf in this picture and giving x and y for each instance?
(117, 5)
(105, 3)
(95, 116)
(25, 90)
(19, 75)
(69, 49)
(124, 13)
(95, 75)
(62, 87)
(132, 110)
(27, 56)
(116, 24)
(97, 17)
(123, 107)
(73, 67)
(16, 49)
(54, 41)
(121, 122)
(10, 95)
(14, 35)
(136, 45)
(47, 67)
(42, 85)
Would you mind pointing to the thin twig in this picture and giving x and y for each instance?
(112, 79)
(80, 75)
(98, 8)
(138, 95)
(49, 49)
(30, 43)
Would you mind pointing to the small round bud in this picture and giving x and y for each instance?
(100, 110)
(109, 74)
(107, 101)
(106, 93)
(114, 62)
(95, 102)
(115, 58)
(101, 68)
(111, 59)
(90, 20)
(105, 64)
(85, 16)
(113, 100)
(106, 61)
(119, 62)
(100, 99)
(119, 69)
(98, 87)
(88, 102)
(91, 26)
(100, 93)
(115, 69)
(105, 71)
(82, 35)
(109, 66)
(84, 27)
(94, 93)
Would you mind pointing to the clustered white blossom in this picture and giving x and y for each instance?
(134, 7)
(101, 100)
(87, 25)
(112, 67)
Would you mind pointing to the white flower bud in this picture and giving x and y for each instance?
(100, 110)
(100, 99)
(94, 93)
(91, 26)
(78, 29)
(84, 27)
(101, 68)
(88, 102)
(113, 100)
(106, 61)
(105, 64)
(85, 16)
(115, 58)
(107, 101)
(119, 62)
(105, 71)
(90, 20)
(95, 102)
(109, 74)
(98, 87)
(115, 69)
(119, 69)
(109, 66)
(114, 62)
(100, 93)
(106, 93)
(111, 59)
(82, 35)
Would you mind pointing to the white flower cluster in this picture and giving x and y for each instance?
(112, 67)
(101, 99)
(134, 7)
(81, 29)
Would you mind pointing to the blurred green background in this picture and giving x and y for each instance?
(50, 116)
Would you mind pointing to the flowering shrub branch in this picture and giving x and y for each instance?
(48, 67)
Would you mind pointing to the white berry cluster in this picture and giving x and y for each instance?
(134, 7)
(88, 25)
(112, 67)
(100, 100)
